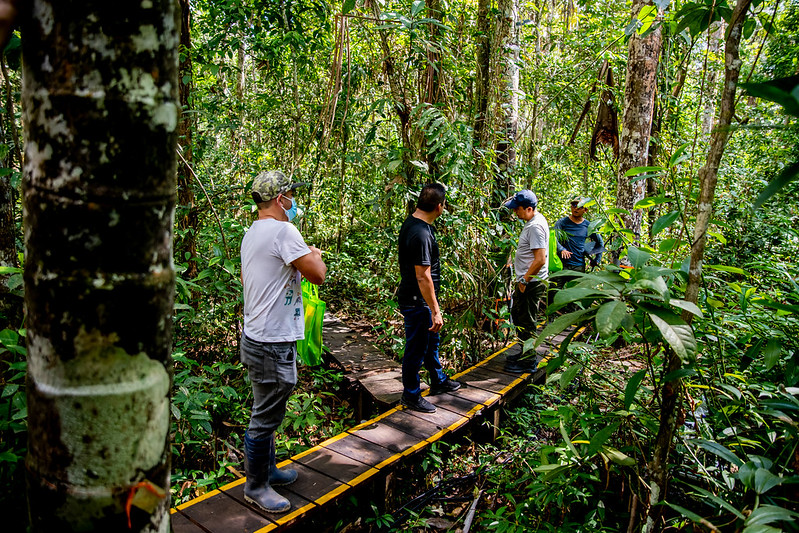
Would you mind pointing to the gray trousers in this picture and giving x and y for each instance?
(273, 372)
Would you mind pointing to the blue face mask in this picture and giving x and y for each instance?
(291, 212)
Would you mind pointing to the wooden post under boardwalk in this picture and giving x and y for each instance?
(100, 99)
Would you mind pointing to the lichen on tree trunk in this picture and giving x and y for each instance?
(639, 103)
(100, 100)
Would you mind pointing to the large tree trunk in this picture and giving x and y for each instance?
(708, 174)
(188, 220)
(100, 99)
(639, 102)
(507, 47)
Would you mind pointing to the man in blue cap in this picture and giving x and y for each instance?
(530, 266)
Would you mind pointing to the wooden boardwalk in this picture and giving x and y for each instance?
(363, 455)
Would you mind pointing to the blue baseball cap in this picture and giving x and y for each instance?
(524, 198)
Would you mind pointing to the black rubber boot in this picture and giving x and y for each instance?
(256, 489)
(278, 477)
(516, 365)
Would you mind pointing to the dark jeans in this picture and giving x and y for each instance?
(273, 373)
(526, 307)
(421, 348)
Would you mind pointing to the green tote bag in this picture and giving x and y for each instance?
(309, 349)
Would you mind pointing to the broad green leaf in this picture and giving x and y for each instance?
(9, 270)
(609, 317)
(563, 322)
(719, 501)
(771, 353)
(657, 285)
(718, 236)
(637, 257)
(417, 7)
(761, 529)
(687, 306)
(652, 201)
(765, 481)
(718, 449)
(618, 457)
(788, 174)
(573, 294)
(632, 388)
(668, 245)
(679, 155)
(640, 170)
(664, 222)
(727, 268)
(678, 335)
(568, 375)
(768, 514)
(690, 515)
(599, 438)
(9, 337)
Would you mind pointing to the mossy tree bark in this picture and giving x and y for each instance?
(639, 103)
(507, 49)
(101, 108)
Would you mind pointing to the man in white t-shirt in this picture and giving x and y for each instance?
(531, 267)
(274, 258)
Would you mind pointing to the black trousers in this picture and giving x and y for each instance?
(526, 308)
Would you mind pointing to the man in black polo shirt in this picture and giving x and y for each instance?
(420, 276)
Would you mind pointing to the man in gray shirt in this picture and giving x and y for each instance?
(530, 266)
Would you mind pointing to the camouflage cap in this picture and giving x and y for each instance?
(270, 184)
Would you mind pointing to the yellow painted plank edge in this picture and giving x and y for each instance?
(198, 499)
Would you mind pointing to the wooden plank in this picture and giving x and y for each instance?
(456, 403)
(182, 524)
(337, 466)
(387, 436)
(359, 449)
(489, 380)
(220, 514)
(445, 419)
(299, 505)
(484, 397)
(314, 486)
(413, 425)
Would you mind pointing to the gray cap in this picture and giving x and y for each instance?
(270, 184)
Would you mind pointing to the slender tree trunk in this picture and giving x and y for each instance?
(432, 77)
(188, 221)
(507, 47)
(670, 405)
(402, 105)
(100, 94)
(671, 393)
(708, 174)
(483, 77)
(10, 303)
(639, 103)
(709, 111)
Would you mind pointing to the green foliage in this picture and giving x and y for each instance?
(13, 421)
